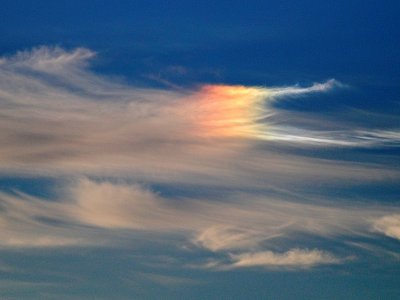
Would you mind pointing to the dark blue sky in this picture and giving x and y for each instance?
(254, 43)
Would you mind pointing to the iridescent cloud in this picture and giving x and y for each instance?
(61, 120)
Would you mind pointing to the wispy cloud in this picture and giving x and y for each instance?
(297, 90)
(59, 118)
(243, 230)
(29, 222)
(389, 225)
(168, 281)
(291, 258)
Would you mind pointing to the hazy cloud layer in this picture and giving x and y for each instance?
(58, 118)
(243, 228)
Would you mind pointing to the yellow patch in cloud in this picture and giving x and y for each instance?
(230, 111)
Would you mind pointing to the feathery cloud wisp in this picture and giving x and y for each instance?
(59, 118)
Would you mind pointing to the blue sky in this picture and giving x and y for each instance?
(196, 150)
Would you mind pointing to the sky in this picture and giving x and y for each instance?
(199, 150)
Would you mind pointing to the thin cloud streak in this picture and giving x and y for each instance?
(297, 90)
(292, 258)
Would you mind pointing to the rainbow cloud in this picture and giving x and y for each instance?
(231, 111)
(240, 111)
(76, 121)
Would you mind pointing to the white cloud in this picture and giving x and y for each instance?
(292, 258)
(220, 237)
(297, 90)
(114, 206)
(389, 225)
(50, 60)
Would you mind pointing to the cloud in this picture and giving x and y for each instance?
(60, 119)
(292, 258)
(217, 225)
(49, 60)
(114, 206)
(88, 212)
(389, 225)
(160, 279)
(28, 222)
(222, 237)
(297, 90)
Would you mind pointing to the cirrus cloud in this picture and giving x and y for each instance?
(60, 119)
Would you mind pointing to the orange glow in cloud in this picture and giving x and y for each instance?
(231, 111)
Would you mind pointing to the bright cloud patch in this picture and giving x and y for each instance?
(224, 237)
(389, 225)
(291, 258)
